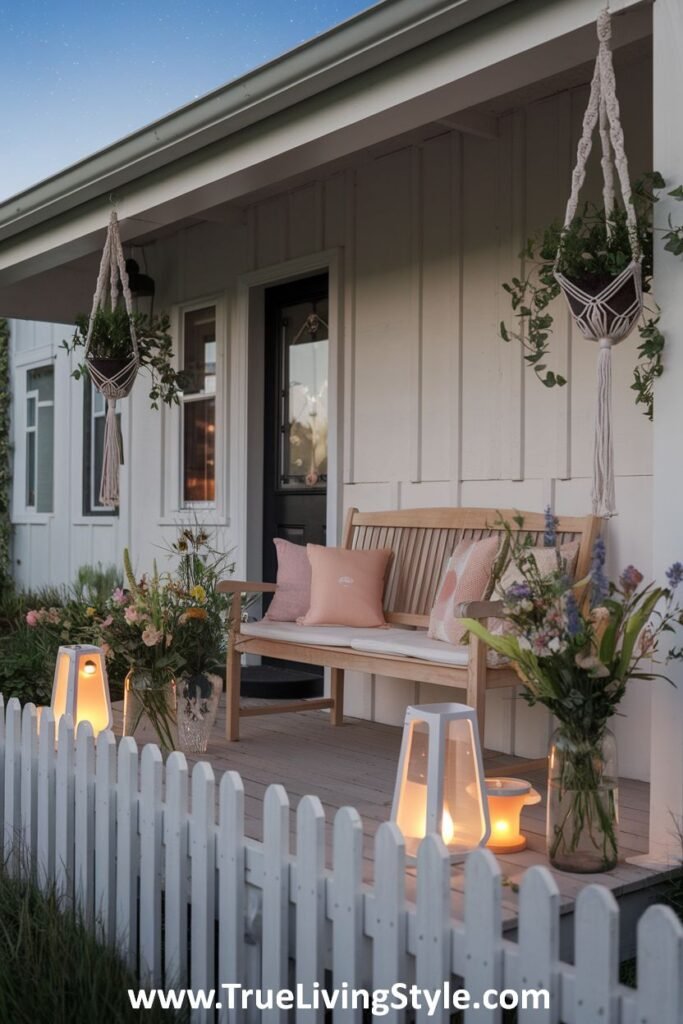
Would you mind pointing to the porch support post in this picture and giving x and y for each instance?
(666, 741)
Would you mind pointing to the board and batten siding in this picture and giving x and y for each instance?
(436, 409)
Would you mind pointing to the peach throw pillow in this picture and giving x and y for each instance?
(346, 587)
(466, 578)
(293, 595)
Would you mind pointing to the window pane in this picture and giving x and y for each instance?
(31, 412)
(199, 450)
(45, 459)
(97, 401)
(31, 470)
(304, 411)
(42, 380)
(97, 460)
(200, 351)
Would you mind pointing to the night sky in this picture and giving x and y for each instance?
(79, 74)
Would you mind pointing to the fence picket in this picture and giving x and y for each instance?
(29, 785)
(275, 920)
(127, 850)
(65, 810)
(433, 944)
(45, 850)
(151, 768)
(203, 894)
(539, 943)
(347, 909)
(105, 835)
(310, 903)
(176, 871)
(389, 939)
(231, 891)
(483, 943)
(596, 956)
(659, 998)
(12, 817)
(84, 853)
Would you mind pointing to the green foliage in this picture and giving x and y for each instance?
(5, 460)
(53, 969)
(111, 339)
(33, 625)
(593, 250)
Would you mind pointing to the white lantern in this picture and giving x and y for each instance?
(80, 687)
(440, 786)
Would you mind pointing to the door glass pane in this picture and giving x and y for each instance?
(199, 450)
(200, 351)
(42, 380)
(304, 419)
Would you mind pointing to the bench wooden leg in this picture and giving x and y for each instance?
(337, 694)
(476, 682)
(232, 696)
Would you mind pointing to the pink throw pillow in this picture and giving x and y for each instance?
(346, 587)
(466, 578)
(293, 595)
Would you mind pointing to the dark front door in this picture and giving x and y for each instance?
(296, 415)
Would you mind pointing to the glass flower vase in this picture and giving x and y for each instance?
(582, 820)
(198, 695)
(149, 708)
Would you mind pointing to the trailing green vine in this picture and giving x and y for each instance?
(592, 252)
(5, 459)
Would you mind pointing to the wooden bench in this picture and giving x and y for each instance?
(422, 541)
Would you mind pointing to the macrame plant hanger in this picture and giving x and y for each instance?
(116, 383)
(609, 316)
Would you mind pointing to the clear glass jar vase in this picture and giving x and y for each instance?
(583, 791)
(149, 708)
(198, 695)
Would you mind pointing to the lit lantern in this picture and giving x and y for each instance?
(506, 799)
(80, 688)
(440, 779)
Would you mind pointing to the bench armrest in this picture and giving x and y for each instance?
(479, 609)
(245, 587)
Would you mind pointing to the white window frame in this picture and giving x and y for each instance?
(174, 507)
(45, 404)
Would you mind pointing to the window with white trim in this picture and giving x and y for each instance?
(40, 402)
(198, 409)
(94, 415)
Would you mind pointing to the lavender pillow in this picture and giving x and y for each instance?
(292, 598)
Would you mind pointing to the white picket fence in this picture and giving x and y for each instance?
(139, 848)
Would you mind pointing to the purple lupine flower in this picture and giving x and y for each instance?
(630, 579)
(550, 533)
(518, 592)
(573, 619)
(674, 574)
(599, 582)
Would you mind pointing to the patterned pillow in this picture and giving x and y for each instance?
(466, 578)
(293, 595)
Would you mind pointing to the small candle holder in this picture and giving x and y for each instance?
(506, 799)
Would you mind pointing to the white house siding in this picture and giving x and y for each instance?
(436, 409)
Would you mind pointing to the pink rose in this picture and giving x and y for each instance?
(131, 615)
(151, 636)
(119, 596)
(32, 618)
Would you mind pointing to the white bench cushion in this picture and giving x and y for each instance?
(319, 636)
(406, 643)
(412, 644)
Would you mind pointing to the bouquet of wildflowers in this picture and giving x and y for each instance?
(576, 646)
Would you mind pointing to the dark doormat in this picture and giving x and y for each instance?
(271, 682)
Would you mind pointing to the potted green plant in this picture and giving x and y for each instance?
(576, 647)
(593, 250)
(111, 349)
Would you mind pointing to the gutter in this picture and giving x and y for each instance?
(384, 31)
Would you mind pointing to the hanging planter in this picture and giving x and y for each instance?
(117, 343)
(601, 260)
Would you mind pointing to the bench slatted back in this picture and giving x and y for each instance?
(424, 539)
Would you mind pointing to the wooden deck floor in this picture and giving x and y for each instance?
(356, 765)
